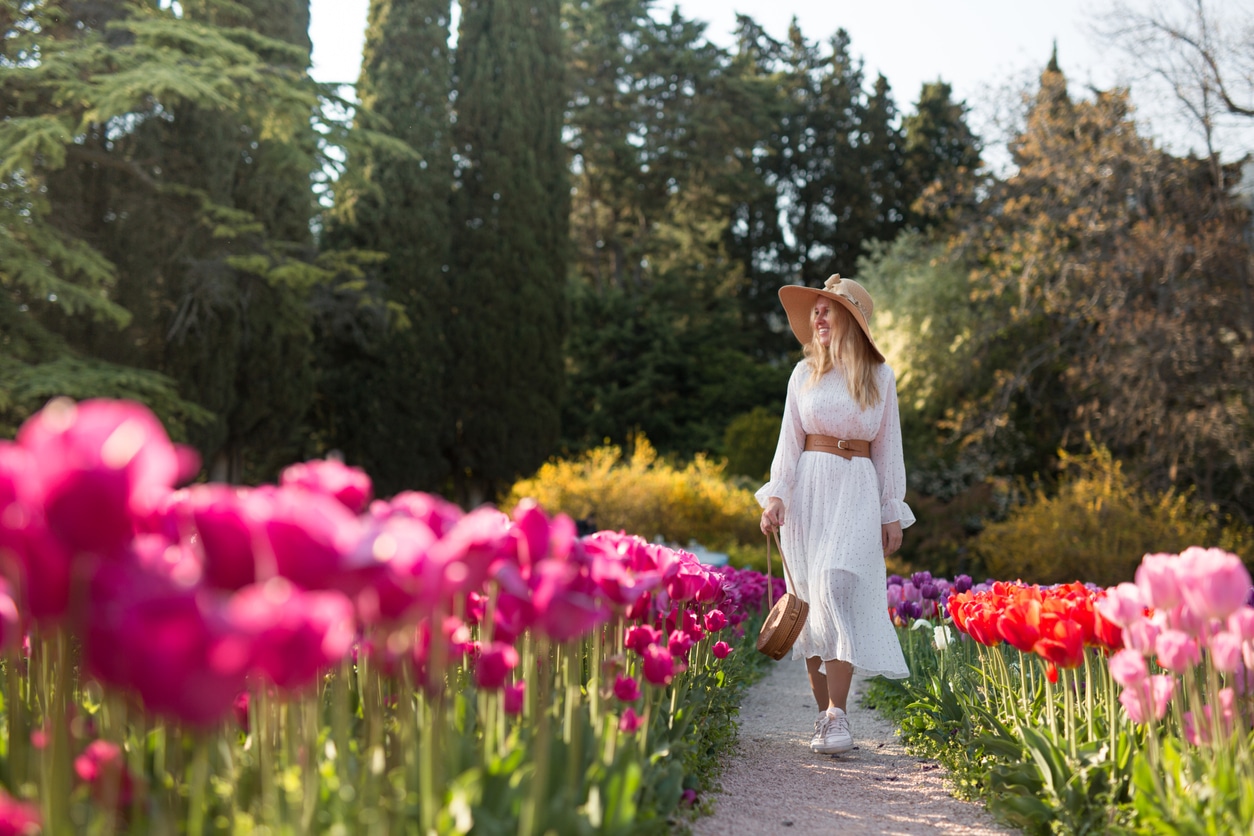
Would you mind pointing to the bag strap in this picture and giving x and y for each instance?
(788, 573)
(783, 559)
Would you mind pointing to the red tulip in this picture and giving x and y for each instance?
(1061, 642)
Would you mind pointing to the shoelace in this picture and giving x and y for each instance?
(841, 723)
(821, 725)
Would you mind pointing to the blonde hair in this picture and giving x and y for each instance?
(852, 352)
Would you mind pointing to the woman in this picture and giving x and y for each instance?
(837, 487)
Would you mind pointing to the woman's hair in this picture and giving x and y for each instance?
(852, 351)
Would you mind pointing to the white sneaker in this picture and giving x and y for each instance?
(836, 735)
(820, 728)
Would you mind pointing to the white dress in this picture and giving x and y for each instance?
(833, 510)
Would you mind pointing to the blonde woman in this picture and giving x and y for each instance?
(836, 494)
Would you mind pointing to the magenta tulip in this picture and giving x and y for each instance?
(350, 485)
(514, 694)
(721, 650)
(494, 664)
(309, 535)
(715, 620)
(629, 722)
(642, 636)
(294, 634)
(659, 665)
(626, 688)
(17, 818)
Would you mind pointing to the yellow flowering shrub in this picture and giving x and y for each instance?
(647, 495)
(1098, 526)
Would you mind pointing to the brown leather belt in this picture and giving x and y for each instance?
(843, 447)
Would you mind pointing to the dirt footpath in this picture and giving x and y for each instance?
(774, 784)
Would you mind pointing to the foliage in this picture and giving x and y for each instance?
(1098, 524)
(642, 492)
(382, 388)
(159, 165)
(749, 442)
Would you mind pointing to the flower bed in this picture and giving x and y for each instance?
(302, 658)
(1078, 709)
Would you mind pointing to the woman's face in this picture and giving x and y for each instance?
(823, 320)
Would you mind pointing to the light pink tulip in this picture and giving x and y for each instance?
(1122, 604)
(1176, 651)
(1128, 668)
(1225, 651)
(1148, 699)
(1141, 635)
(1156, 578)
(1213, 583)
(1241, 622)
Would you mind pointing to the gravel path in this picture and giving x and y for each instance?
(775, 784)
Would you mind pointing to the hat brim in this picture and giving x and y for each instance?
(798, 302)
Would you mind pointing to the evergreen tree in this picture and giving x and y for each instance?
(178, 209)
(942, 157)
(507, 313)
(382, 394)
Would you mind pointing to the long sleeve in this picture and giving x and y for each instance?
(889, 461)
(792, 440)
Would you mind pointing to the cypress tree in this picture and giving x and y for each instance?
(383, 395)
(508, 311)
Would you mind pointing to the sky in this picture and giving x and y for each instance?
(983, 48)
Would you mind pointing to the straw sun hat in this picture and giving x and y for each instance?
(798, 301)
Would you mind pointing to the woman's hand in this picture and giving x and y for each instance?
(772, 515)
(890, 533)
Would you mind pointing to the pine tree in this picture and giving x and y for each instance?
(507, 312)
(383, 396)
(942, 157)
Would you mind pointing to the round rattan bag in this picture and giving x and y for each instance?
(787, 616)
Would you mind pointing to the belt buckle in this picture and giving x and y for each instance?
(841, 445)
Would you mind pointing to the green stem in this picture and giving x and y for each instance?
(200, 778)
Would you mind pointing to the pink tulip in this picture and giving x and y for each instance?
(1156, 578)
(1176, 651)
(641, 636)
(514, 697)
(294, 634)
(679, 644)
(350, 485)
(19, 494)
(224, 520)
(438, 514)
(494, 664)
(309, 536)
(1141, 635)
(384, 571)
(462, 559)
(103, 767)
(1203, 733)
(1122, 604)
(1241, 622)
(629, 722)
(1213, 583)
(18, 818)
(626, 688)
(1225, 651)
(659, 665)
(1128, 668)
(715, 620)
(102, 464)
(565, 601)
(240, 707)
(721, 650)
(1182, 617)
(1148, 699)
